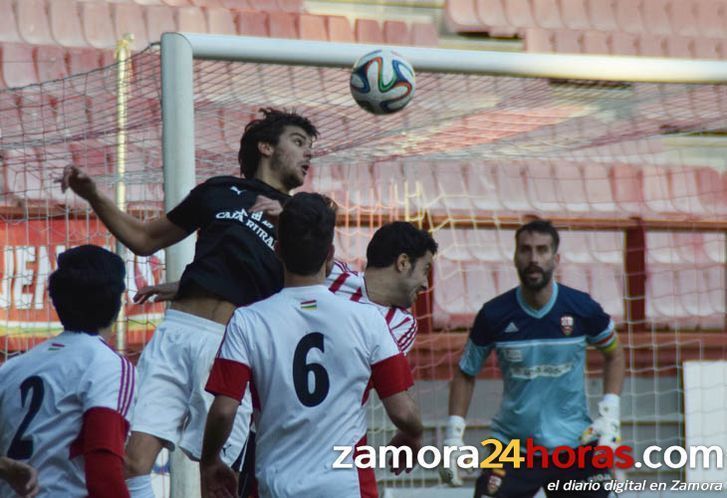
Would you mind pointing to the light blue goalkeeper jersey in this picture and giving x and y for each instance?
(541, 354)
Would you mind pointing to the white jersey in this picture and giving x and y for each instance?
(350, 284)
(312, 358)
(43, 396)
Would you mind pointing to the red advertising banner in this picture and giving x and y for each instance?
(28, 252)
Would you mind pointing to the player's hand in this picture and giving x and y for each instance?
(448, 471)
(78, 181)
(157, 293)
(270, 207)
(22, 477)
(218, 480)
(606, 428)
(403, 440)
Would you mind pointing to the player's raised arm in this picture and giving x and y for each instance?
(143, 238)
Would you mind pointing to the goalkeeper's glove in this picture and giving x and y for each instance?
(606, 428)
(449, 472)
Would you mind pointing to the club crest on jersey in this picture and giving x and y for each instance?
(493, 484)
(566, 324)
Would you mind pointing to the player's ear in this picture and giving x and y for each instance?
(403, 263)
(265, 149)
(329, 259)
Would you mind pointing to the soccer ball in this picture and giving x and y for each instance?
(382, 82)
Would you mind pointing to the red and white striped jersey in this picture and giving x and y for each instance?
(311, 359)
(44, 394)
(345, 282)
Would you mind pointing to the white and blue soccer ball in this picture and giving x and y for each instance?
(382, 82)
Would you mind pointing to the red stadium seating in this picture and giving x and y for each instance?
(396, 33)
(424, 34)
(547, 14)
(711, 18)
(221, 21)
(252, 23)
(8, 23)
(461, 16)
(50, 62)
(191, 20)
(33, 24)
(656, 17)
(18, 66)
(283, 25)
(65, 24)
(596, 42)
(129, 18)
(339, 29)
(683, 17)
(602, 15)
(368, 31)
(519, 14)
(312, 27)
(574, 14)
(493, 18)
(159, 20)
(98, 28)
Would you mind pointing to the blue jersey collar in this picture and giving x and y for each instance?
(542, 311)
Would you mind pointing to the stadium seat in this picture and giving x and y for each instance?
(452, 185)
(505, 276)
(539, 40)
(712, 190)
(483, 185)
(360, 186)
(396, 32)
(53, 158)
(461, 16)
(208, 131)
(339, 29)
(546, 14)
(661, 249)
(236, 4)
(628, 16)
(329, 180)
(74, 113)
(252, 23)
(607, 247)
(542, 186)
(176, 3)
(389, 180)
(710, 18)
(493, 19)
(715, 283)
(282, 25)
(215, 4)
(424, 34)
(450, 307)
(159, 20)
(511, 187)
(596, 42)
(567, 41)
(221, 21)
(685, 190)
(707, 48)
(651, 45)
(98, 28)
(570, 187)
(657, 192)
(624, 44)
(33, 24)
(264, 5)
(519, 14)
(50, 62)
(295, 6)
(18, 66)
(65, 25)
(715, 247)
(480, 288)
(656, 16)
(10, 124)
(368, 31)
(129, 18)
(663, 302)
(453, 244)
(574, 275)
(607, 288)
(693, 290)
(602, 15)
(599, 188)
(574, 14)
(351, 243)
(627, 187)
(683, 17)
(680, 47)
(191, 20)
(421, 187)
(484, 245)
(690, 247)
(574, 247)
(8, 23)
(312, 27)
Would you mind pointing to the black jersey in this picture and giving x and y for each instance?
(234, 257)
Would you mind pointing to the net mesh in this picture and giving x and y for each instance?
(470, 158)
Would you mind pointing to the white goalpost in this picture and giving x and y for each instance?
(439, 162)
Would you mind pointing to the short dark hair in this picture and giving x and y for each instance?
(540, 226)
(267, 130)
(305, 232)
(398, 237)
(86, 288)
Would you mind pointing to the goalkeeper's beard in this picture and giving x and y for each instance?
(545, 279)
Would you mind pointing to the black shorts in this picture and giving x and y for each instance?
(511, 482)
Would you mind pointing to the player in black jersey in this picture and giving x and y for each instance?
(234, 265)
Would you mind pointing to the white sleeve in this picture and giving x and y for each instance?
(383, 343)
(109, 382)
(236, 345)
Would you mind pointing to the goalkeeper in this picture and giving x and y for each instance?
(539, 332)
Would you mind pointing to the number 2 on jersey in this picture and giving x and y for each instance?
(22, 449)
(302, 369)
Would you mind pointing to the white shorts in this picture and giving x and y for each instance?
(172, 372)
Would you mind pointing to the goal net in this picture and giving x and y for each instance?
(632, 173)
